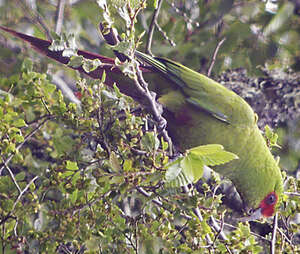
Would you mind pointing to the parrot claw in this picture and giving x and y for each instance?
(162, 125)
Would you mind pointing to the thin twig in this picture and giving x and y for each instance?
(111, 37)
(164, 34)
(292, 194)
(152, 26)
(199, 216)
(156, 108)
(22, 192)
(15, 227)
(35, 18)
(254, 234)
(60, 15)
(273, 241)
(228, 250)
(220, 232)
(215, 57)
(158, 203)
(183, 14)
(284, 236)
(12, 176)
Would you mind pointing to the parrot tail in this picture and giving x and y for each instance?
(114, 74)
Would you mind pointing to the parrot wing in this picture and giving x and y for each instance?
(203, 92)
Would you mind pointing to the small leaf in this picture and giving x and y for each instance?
(271, 137)
(116, 180)
(213, 154)
(73, 196)
(173, 169)
(19, 123)
(75, 177)
(75, 61)
(103, 78)
(72, 165)
(91, 65)
(57, 45)
(114, 162)
(280, 19)
(192, 167)
(127, 166)
(20, 176)
(150, 141)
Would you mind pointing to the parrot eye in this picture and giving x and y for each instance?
(271, 199)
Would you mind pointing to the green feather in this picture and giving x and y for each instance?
(201, 111)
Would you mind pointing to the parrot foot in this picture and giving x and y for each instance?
(162, 124)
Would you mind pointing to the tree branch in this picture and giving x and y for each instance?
(273, 241)
(215, 56)
(60, 15)
(152, 26)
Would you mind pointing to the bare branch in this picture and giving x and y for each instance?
(12, 176)
(152, 26)
(215, 57)
(252, 233)
(219, 229)
(172, 43)
(292, 194)
(35, 17)
(60, 15)
(199, 216)
(273, 241)
(155, 108)
(22, 192)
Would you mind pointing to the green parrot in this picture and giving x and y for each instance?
(199, 111)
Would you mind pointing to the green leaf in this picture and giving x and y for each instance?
(173, 169)
(271, 137)
(116, 180)
(20, 176)
(76, 61)
(75, 177)
(280, 19)
(127, 165)
(192, 167)
(19, 123)
(212, 154)
(150, 142)
(72, 165)
(49, 88)
(73, 196)
(114, 162)
(103, 78)
(91, 65)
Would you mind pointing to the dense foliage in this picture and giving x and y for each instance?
(83, 170)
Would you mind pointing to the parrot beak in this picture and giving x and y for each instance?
(255, 215)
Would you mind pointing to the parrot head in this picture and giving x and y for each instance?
(266, 208)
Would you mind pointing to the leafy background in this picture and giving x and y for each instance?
(74, 156)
